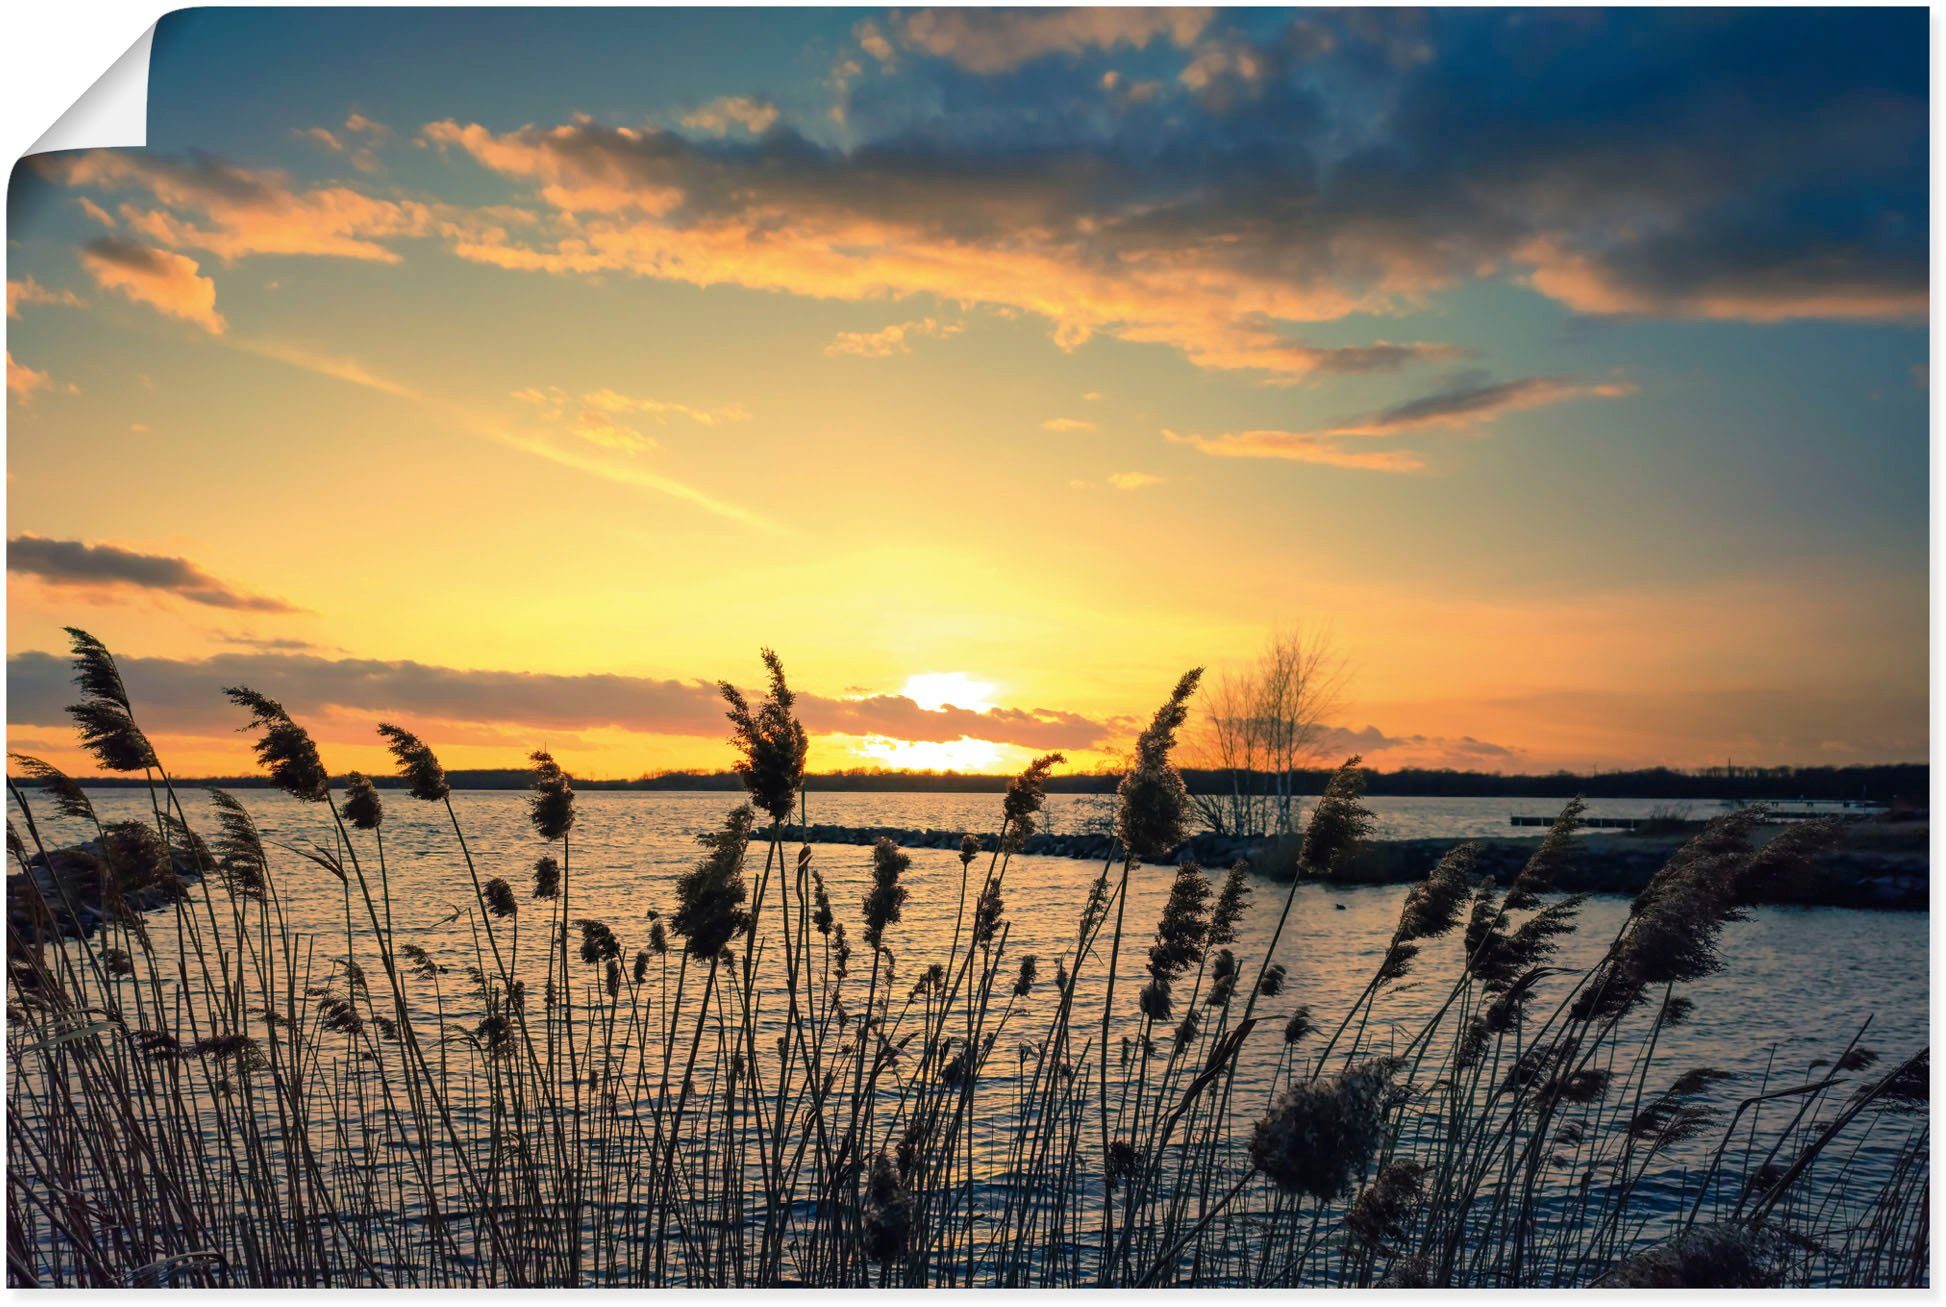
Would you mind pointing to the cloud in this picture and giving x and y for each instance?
(1299, 447)
(23, 382)
(337, 367)
(1067, 424)
(28, 291)
(1472, 402)
(1468, 402)
(185, 696)
(554, 403)
(320, 136)
(1757, 165)
(233, 212)
(1000, 40)
(1134, 480)
(1023, 234)
(1380, 749)
(872, 41)
(111, 568)
(887, 341)
(169, 283)
(727, 111)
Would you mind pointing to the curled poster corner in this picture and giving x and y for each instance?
(111, 114)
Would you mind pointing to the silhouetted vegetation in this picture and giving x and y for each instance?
(740, 1091)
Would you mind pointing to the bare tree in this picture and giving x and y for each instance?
(1262, 724)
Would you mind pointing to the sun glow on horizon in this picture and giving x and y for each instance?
(936, 690)
(962, 755)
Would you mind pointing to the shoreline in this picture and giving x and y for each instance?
(1857, 874)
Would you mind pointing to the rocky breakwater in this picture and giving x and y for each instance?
(69, 892)
(1873, 866)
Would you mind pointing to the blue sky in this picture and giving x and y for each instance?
(1570, 366)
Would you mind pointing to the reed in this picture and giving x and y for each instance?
(202, 1094)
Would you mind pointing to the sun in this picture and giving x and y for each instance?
(936, 690)
(961, 755)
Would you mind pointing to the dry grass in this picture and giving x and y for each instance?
(763, 1090)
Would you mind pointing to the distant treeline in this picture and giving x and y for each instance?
(1889, 783)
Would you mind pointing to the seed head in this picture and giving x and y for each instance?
(1231, 899)
(598, 942)
(239, 848)
(887, 898)
(1030, 970)
(1340, 823)
(553, 802)
(283, 747)
(361, 806)
(1154, 812)
(1382, 1212)
(709, 897)
(499, 898)
(547, 878)
(1300, 1025)
(1026, 793)
(1319, 1136)
(424, 778)
(66, 793)
(888, 1211)
(771, 742)
(106, 721)
(986, 914)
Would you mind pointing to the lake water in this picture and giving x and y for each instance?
(1798, 983)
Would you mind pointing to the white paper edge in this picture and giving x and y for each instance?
(111, 114)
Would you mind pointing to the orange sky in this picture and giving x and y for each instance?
(521, 407)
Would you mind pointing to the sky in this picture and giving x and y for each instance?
(517, 375)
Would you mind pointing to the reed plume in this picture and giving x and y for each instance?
(361, 806)
(104, 716)
(709, 896)
(886, 900)
(1340, 823)
(771, 744)
(1319, 1137)
(283, 748)
(1154, 813)
(424, 778)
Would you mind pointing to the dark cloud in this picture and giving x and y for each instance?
(1218, 185)
(77, 563)
(1449, 750)
(186, 696)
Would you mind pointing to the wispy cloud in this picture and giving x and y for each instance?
(337, 367)
(1474, 402)
(102, 567)
(1067, 424)
(887, 341)
(783, 214)
(1134, 480)
(1469, 402)
(358, 140)
(1000, 40)
(1299, 447)
(721, 114)
(23, 382)
(28, 291)
(167, 282)
(233, 212)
